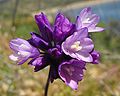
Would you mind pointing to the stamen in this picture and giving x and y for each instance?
(76, 46)
(23, 46)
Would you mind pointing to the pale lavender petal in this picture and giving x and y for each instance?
(78, 23)
(20, 41)
(73, 84)
(13, 57)
(87, 45)
(94, 20)
(96, 29)
(20, 60)
(66, 46)
(85, 13)
(85, 56)
(24, 47)
(82, 33)
(15, 44)
(24, 53)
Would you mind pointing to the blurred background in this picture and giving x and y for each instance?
(16, 20)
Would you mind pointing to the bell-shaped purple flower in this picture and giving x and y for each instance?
(72, 72)
(22, 50)
(89, 20)
(79, 46)
(62, 28)
(44, 26)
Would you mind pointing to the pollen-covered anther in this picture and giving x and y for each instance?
(76, 46)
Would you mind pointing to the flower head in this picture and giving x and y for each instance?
(65, 47)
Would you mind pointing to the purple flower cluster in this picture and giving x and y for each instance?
(65, 46)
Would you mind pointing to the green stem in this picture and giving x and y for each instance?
(47, 83)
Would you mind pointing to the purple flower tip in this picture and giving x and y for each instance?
(39, 63)
(37, 41)
(62, 27)
(96, 57)
(89, 20)
(44, 26)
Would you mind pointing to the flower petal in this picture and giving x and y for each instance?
(44, 26)
(73, 84)
(24, 53)
(22, 60)
(78, 23)
(82, 49)
(82, 33)
(39, 63)
(88, 19)
(15, 44)
(85, 13)
(87, 45)
(96, 29)
(38, 42)
(85, 56)
(96, 56)
(62, 27)
(13, 57)
(71, 72)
